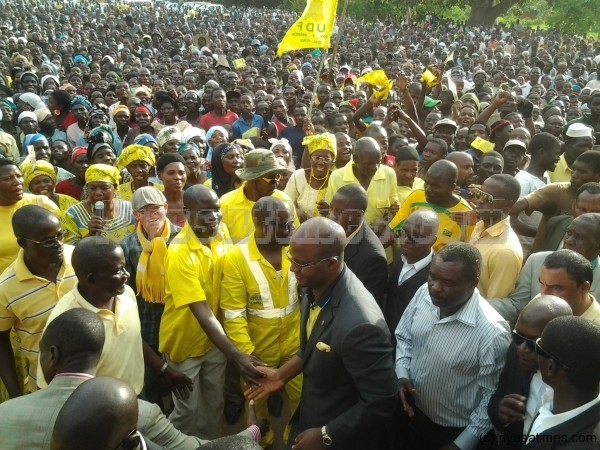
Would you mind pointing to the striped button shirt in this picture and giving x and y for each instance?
(454, 363)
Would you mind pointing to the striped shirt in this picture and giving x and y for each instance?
(454, 363)
(26, 302)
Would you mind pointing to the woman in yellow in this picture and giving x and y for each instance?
(138, 160)
(114, 221)
(306, 187)
(40, 179)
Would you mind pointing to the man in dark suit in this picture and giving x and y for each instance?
(364, 255)
(349, 386)
(520, 390)
(568, 367)
(411, 264)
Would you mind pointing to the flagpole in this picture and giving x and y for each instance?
(332, 58)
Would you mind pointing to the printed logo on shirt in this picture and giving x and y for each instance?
(255, 299)
(447, 233)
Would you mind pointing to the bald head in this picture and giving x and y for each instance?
(91, 255)
(543, 309)
(366, 146)
(99, 415)
(30, 219)
(327, 235)
(266, 208)
(444, 171)
(425, 220)
(459, 158)
(197, 195)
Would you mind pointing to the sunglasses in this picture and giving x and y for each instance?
(479, 194)
(414, 239)
(518, 340)
(541, 352)
(49, 242)
(273, 180)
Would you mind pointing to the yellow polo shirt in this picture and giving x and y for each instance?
(562, 172)
(122, 356)
(382, 190)
(26, 301)
(237, 212)
(502, 258)
(405, 191)
(449, 231)
(246, 312)
(8, 242)
(192, 274)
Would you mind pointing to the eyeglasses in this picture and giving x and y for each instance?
(518, 340)
(273, 180)
(479, 194)
(300, 267)
(541, 352)
(323, 159)
(133, 441)
(49, 242)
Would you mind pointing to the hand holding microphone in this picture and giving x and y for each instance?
(96, 222)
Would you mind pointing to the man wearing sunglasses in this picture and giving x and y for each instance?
(566, 366)
(30, 287)
(521, 390)
(494, 238)
(261, 175)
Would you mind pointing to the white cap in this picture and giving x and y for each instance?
(515, 143)
(579, 130)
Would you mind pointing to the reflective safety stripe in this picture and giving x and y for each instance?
(230, 314)
(269, 311)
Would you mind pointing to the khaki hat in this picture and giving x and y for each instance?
(260, 163)
(145, 196)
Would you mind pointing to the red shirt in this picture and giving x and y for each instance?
(209, 120)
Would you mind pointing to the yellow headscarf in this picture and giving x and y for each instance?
(325, 141)
(150, 274)
(133, 153)
(103, 172)
(120, 108)
(38, 168)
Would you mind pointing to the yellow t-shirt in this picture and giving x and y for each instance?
(8, 242)
(122, 355)
(237, 212)
(192, 274)
(124, 192)
(26, 302)
(449, 231)
(405, 191)
(265, 323)
(562, 172)
(381, 192)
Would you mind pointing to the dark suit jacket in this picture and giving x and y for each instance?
(352, 387)
(365, 256)
(398, 297)
(555, 232)
(584, 426)
(513, 380)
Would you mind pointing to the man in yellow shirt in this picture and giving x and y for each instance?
(439, 197)
(377, 179)
(578, 139)
(30, 287)
(261, 175)
(499, 245)
(102, 288)
(189, 326)
(259, 296)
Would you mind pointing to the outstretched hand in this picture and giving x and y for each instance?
(268, 384)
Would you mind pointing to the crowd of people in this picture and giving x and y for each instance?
(393, 246)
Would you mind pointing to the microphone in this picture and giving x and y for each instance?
(99, 208)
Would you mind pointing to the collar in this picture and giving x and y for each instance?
(420, 264)
(327, 294)
(22, 272)
(467, 314)
(350, 238)
(498, 228)
(349, 173)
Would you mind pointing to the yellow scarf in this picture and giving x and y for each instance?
(150, 276)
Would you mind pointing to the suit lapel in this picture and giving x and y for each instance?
(351, 249)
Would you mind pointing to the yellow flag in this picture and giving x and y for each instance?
(378, 80)
(313, 29)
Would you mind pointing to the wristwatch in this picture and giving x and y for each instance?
(326, 438)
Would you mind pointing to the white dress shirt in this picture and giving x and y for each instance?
(408, 269)
(546, 419)
(539, 394)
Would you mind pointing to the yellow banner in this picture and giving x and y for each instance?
(313, 29)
